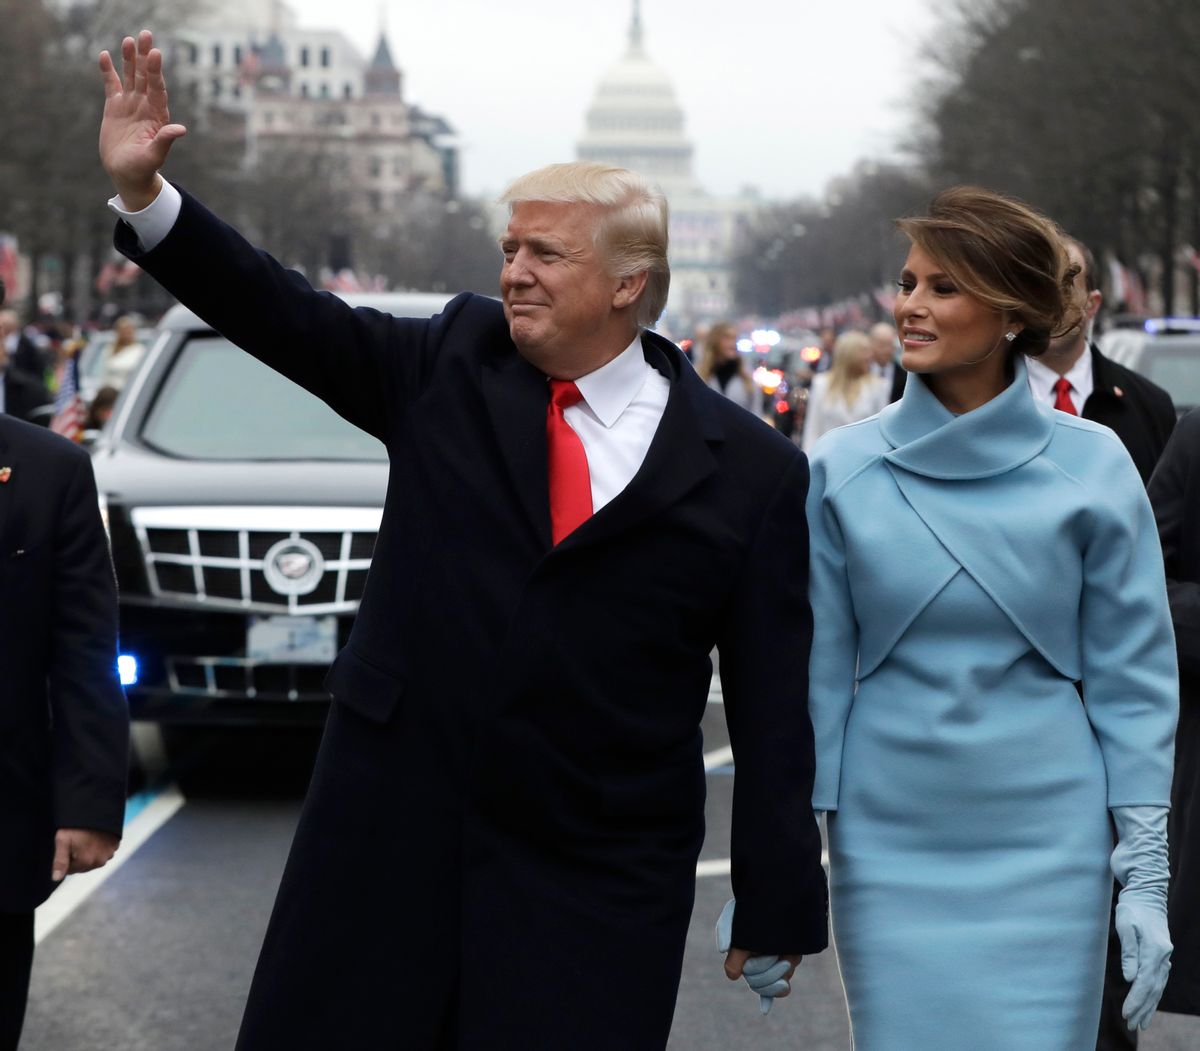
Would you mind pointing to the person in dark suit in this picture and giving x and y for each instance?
(499, 842)
(22, 388)
(1074, 376)
(1175, 496)
(64, 725)
(885, 359)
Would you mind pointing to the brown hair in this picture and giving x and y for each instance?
(1005, 254)
(1091, 273)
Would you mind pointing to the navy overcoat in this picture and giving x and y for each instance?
(498, 847)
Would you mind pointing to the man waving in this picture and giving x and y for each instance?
(499, 843)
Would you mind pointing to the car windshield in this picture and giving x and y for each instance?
(1175, 366)
(219, 403)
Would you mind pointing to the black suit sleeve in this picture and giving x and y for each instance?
(362, 362)
(1165, 418)
(1171, 494)
(90, 716)
(764, 648)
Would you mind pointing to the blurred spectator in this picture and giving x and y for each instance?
(847, 392)
(722, 367)
(124, 355)
(101, 409)
(22, 388)
(826, 339)
(692, 344)
(885, 363)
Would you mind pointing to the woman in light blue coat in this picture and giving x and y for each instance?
(975, 556)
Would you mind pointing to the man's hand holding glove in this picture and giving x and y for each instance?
(769, 976)
(1140, 865)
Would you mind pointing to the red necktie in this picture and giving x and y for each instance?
(570, 483)
(1063, 400)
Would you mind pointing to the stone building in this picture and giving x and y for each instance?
(298, 87)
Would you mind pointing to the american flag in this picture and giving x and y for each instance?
(68, 405)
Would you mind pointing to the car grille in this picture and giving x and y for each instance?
(231, 558)
(233, 678)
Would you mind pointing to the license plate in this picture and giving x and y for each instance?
(292, 640)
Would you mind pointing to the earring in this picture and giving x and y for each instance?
(1010, 336)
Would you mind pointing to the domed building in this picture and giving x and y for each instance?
(636, 121)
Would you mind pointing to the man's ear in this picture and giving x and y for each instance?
(1091, 305)
(629, 289)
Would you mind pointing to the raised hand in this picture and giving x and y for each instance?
(136, 132)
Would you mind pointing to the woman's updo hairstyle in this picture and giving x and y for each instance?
(1005, 254)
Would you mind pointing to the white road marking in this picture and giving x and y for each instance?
(716, 695)
(719, 757)
(76, 889)
(723, 866)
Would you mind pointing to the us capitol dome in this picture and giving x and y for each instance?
(636, 121)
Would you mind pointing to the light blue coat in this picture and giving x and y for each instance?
(966, 572)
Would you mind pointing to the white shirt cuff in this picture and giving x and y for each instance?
(154, 222)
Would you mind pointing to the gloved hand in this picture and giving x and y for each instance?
(1140, 865)
(766, 975)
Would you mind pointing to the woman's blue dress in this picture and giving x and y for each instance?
(967, 572)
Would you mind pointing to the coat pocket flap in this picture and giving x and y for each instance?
(363, 687)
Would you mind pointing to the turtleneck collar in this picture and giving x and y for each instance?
(1001, 435)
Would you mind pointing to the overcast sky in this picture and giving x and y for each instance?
(781, 94)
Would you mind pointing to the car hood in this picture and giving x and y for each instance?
(135, 477)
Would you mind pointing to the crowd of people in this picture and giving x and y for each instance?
(40, 369)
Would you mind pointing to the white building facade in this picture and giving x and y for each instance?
(636, 121)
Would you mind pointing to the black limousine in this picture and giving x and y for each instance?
(242, 513)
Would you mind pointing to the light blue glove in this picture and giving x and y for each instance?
(1140, 865)
(764, 974)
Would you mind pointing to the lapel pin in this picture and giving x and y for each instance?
(1118, 392)
(5, 474)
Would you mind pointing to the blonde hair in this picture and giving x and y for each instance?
(848, 348)
(712, 346)
(632, 232)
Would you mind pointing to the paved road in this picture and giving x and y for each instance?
(159, 957)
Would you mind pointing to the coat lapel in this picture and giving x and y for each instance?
(973, 481)
(988, 528)
(897, 589)
(679, 457)
(517, 395)
(1104, 384)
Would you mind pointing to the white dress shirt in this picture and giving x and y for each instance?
(153, 222)
(1042, 380)
(623, 401)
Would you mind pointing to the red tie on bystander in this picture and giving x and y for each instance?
(570, 483)
(1062, 400)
